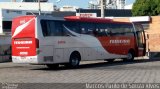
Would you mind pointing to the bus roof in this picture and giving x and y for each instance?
(87, 19)
(92, 19)
(78, 19)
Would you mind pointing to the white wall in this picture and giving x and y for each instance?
(68, 8)
(9, 10)
(26, 6)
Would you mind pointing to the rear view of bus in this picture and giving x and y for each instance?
(24, 40)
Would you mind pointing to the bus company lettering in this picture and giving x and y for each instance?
(119, 41)
(22, 22)
(22, 42)
(23, 53)
(86, 15)
(61, 42)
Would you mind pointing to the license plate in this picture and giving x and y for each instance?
(23, 57)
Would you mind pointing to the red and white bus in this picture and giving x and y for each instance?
(53, 41)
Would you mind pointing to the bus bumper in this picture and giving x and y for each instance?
(30, 59)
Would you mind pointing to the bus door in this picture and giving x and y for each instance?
(140, 40)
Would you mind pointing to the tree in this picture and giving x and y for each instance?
(146, 8)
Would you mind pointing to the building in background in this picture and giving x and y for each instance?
(128, 6)
(93, 4)
(120, 4)
(10, 10)
(69, 8)
(109, 4)
(107, 12)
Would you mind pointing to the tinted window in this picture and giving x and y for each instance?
(51, 28)
(103, 29)
(68, 28)
(59, 28)
(44, 27)
(87, 28)
(71, 26)
(121, 29)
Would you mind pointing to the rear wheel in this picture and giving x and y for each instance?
(52, 66)
(74, 60)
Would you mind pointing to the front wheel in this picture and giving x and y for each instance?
(130, 56)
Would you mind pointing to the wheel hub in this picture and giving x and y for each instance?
(129, 56)
(75, 61)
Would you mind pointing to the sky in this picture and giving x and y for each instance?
(79, 3)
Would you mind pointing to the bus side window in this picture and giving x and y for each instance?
(116, 29)
(108, 32)
(51, 28)
(72, 26)
(87, 28)
(102, 32)
(128, 30)
(58, 28)
(103, 29)
(44, 27)
(83, 31)
(95, 32)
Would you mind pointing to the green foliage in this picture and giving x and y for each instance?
(146, 8)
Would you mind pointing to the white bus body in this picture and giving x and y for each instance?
(33, 44)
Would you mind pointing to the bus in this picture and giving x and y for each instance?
(53, 41)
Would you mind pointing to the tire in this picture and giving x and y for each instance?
(130, 56)
(74, 60)
(52, 66)
(110, 60)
